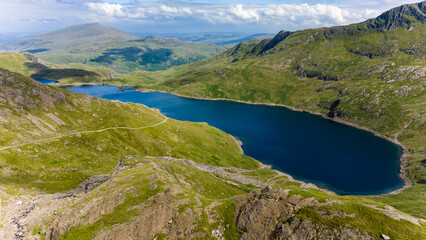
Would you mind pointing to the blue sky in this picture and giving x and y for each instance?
(186, 16)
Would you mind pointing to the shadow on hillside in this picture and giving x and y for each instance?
(57, 74)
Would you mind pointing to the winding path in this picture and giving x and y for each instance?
(403, 129)
(83, 132)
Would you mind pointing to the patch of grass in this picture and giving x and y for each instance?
(160, 236)
(203, 183)
(36, 230)
(226, 212)
(409, 200)
(262, 174)
(191, 204)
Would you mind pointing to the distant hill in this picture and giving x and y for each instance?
(29, 65)
(100, 45)
(228, 39)
(72, 36)
(7, 37)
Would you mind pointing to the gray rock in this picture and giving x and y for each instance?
(383, 236)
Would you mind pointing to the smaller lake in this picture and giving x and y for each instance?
(335, 156)
(45, 81)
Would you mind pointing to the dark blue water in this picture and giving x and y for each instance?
(308, 147)
(45, 81)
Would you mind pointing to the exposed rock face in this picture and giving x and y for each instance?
(158, 215)
(162, 217)
(20, 91)
(277, 39)
(271, 214)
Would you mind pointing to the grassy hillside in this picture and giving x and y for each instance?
(77, 167)
(31, 66)
(58, 121)
(95, 44)
(371, 74)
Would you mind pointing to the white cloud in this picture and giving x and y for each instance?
(187, 15)
(285, 15)
(245, 14)
(111, 10)
(167, 9)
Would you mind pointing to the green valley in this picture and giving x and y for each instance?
(98, 45)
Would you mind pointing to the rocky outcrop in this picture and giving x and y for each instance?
(272, 214)
(160, 214)
(20, 91)
(275, 41)
(333, 113)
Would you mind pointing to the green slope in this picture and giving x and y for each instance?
(371, 74)
(47, 120)
(31, 66)
(100, 45)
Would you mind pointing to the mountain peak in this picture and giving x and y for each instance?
(72, 36)
(405, 17)
(92, 30)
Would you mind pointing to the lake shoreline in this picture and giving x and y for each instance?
(402, 161)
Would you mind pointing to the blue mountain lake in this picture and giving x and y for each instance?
(45, 81)
(332, 155)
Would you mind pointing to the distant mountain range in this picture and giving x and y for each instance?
(109, 47)
(70, 37)
(7, 37)
(228, 39)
